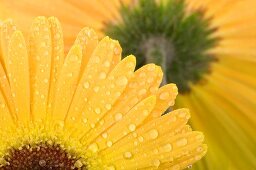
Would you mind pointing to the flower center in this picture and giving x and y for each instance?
(164, 33)
(41, 157)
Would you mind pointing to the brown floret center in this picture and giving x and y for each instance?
(41, 157)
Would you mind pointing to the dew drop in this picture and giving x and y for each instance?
(197, 157)
(70, 74)
(189, 166)
(106, 64)
(110, 168)
(182, 142)
(92, 125)
(127, 155)
(118, 116)
(167, 148)
(108, 93)
(104, 135)
(200, 137)
(96, 89)
(20, 45)
(134, 134)
(156, 151)
(86, 85)
(93, 147)
(85, 120)
(132, 127)
(102, 75)
(97, 110)
(109, 143)
(153, 134)
(116, 51)
(164, 96)
(121, 81)
(156, 163)
(145, 112)
(46, 80)
(141, 139)
(102, 122)
(42, 96)
(182, 114)
(108, 106)
(199, 149)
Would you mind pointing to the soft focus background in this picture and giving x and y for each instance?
(221, 94)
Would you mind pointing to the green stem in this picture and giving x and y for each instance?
(159, 51)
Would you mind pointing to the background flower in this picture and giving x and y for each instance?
(226, 98)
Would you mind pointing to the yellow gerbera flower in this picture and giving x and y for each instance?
(88, 110)
(223, 97)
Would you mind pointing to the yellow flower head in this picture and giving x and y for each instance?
(86, 110)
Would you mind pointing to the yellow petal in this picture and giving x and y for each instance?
(40, 67)
(18, 73)
(57, 58)
(7, 29)
(94, 75)
(66, 84)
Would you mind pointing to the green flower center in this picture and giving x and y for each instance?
(164, 33)
(41, 157)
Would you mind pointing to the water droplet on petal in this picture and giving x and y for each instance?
(102, 75)
(164, 96)
(86, 85)
(110, 168)
(132, 127)
(46, 80)
(121, 81)
(167, 148)
(104, 135)
(189, 166)
(118, 116)
(117, 51)
(141, 139)
(97, 110)
(96, 89)
(182, 142)
(156, 163)
(127, 155)
(182, 114)
(145, 112)
(106, 64)
(109, 143)
(93, 147)
(85, 120)
(199, 149)
(108, 106)
(153, 134)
